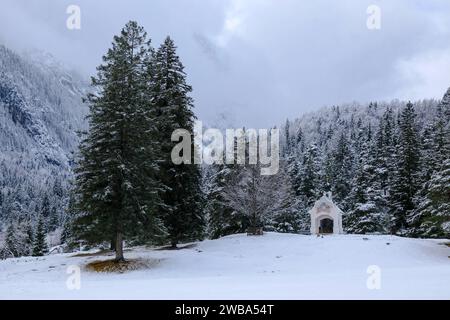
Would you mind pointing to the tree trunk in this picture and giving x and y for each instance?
(174, 244)
(119, 247)
(113, 244)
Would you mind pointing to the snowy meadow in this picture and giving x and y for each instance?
(274, 266)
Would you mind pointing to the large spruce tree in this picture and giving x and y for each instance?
(406, 178)
(182, 208)
(432, 216)
(384, 151)
(11, 242)
(309, 188)
(342, 166)
(117, 172)
(365, 215)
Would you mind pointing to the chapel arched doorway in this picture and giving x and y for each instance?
(326, 226)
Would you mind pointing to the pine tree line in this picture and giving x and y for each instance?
(383, 177)
(25, 202)
(23, 228)
(389, 176)
(22, 239)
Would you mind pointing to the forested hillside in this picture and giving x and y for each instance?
(40, 111)
(386, 165)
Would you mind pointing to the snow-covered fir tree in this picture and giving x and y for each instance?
(116, 175)
(406, 178)
(11, 242)
(182, 198)
(431, 218)
(222, 219)
(309, 176)
(364, 216)
(40, 246)
(341, 171)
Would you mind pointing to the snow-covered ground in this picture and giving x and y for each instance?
(274, 266)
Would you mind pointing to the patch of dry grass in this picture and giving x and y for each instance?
(112, 266)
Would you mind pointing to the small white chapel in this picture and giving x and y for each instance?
(326, 217)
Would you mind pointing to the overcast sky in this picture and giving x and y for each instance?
(260, 61)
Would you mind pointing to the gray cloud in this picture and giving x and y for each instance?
(211, 51)
(260, 60)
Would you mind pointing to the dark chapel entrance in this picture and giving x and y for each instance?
(326, 226)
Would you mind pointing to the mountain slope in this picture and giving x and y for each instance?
(40, 111)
